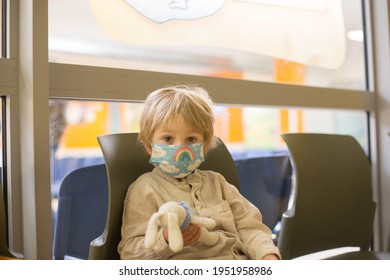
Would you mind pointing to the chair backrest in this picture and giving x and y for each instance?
(333, 205)
(266, 182)
(125, 161)
(82, 208)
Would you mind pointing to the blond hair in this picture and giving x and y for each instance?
(192, 104)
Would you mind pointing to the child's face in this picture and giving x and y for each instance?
(179, 132)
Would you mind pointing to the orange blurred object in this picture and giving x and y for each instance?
(291, 73)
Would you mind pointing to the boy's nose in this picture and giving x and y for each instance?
(180, 142)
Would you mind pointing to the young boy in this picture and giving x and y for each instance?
(173, 119)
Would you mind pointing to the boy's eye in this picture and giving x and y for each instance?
(168, 139)
(191, 139)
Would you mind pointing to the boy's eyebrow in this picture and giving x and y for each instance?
(165, 131)
(171, 132)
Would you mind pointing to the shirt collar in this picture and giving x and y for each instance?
(192, 178)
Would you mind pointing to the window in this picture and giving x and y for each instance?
(92, 63)
(2, 28)
(2, 99)
(266, 41)
(248, 132)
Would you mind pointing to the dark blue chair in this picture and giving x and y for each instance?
(266, 182)
(82, 211)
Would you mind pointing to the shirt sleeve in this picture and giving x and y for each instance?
(136, 215)
(255, 235)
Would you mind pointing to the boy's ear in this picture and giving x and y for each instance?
(205, 149)
(148, 148)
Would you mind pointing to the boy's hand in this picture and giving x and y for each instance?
(270, 257)
(190, 235)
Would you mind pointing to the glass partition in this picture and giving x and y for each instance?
(2, 28)
(247, 131)
(316, 43)
(300, 42)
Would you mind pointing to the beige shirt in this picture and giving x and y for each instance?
(242, 235)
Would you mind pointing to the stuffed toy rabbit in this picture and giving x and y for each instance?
(177, 216)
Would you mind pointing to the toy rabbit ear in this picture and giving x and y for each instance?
(175, 238)
(152, 230)
(206, 222)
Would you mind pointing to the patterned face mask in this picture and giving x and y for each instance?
(177, 160)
